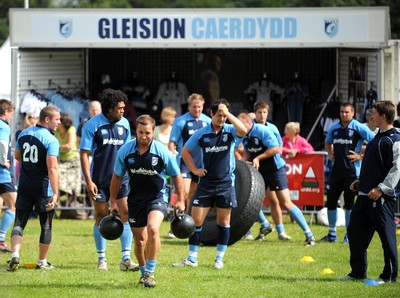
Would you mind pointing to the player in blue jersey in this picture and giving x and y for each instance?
(8, 191)
(263, 150)
(261, 110)
(37, 150)
(343, 137)
(217, 179)
(102, 136)
(147, 164)
(378, 189)
(182, 129)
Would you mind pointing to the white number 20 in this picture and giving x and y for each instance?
(30, 153)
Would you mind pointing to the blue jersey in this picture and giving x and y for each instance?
(103, 139)
(274, 129)
(217, 152)
(259, 139)
(147, 172)
(5, 135)
(344, 139)
(183, 128)
(35, 144)
(381, 164)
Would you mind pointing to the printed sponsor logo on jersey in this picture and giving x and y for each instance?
(65, 28)
(342, 141)
(142, 171)
(254, 150)
(191, 131)
(112, 141)
(331, 27)
(131, 161)
(104, 131)
(216, 149)
(120, 131)
(154, 161)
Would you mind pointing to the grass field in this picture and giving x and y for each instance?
(252, 269)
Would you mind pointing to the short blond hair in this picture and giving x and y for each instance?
(195, 97)
(293, 126)
(167, 113)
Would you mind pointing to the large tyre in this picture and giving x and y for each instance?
(250, 190)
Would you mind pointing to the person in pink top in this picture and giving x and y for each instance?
(293, 142)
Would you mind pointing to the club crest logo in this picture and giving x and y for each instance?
(154, 161)
(65, 27)
(120, 131)
(331, 27)
(225, 138)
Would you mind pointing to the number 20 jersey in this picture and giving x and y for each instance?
(35, 143)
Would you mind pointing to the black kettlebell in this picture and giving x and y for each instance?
(111, 226)
(182, 226)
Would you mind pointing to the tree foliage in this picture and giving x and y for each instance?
(5, 5)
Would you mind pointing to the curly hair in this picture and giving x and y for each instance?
(110, 98)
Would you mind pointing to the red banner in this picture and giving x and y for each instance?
(305, 173)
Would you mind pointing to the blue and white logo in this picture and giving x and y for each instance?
(154, 161)
(331, 27)
(65, 27)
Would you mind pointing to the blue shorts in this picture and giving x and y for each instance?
(220, 197)
(27, 202)
(276, 180)
(138, 216)
(7, 187)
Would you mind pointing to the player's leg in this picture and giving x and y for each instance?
(126, 238)
(46, 220)
(100, 211)
(8, 218)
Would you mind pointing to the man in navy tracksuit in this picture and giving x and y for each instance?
(378, 190)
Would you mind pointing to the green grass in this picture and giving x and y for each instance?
(252, 269)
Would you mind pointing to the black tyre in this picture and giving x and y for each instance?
(250, 191)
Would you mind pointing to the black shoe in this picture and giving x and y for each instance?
(13, 264)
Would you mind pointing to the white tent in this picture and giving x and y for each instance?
(5, 67)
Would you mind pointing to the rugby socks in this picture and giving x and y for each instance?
(280, 228)
(222, 241)
(347, 218)
(194, 242)
(126, 241)
(100, 243)
(332, 219)
(142, 270)
(150, 266)
(6, 222)
(263, 220)
(298, 216)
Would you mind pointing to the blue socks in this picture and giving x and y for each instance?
(332, 220)
(194, 242)
(298, 216)
(100, 243)
(126, 241)
(6, 222)
(222, 241)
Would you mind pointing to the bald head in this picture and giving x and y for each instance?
(94, 108)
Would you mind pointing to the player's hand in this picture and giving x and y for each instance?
(223, 109)
(354, 185)
(92, 190)
(256, 163)
(353, 156)
(113, 205)
(200, 172)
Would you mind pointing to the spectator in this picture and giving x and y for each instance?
(162, 132)
(94, 109)
(396, 122)
(70, 181)
(37, 150)
(293, 142)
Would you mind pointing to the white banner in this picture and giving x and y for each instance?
(216, 28)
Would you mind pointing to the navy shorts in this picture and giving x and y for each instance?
(276, 180)
(220, 197)
(187, 174)
(138, 216)
(27, 202)
(103, 194)
(7, 187)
